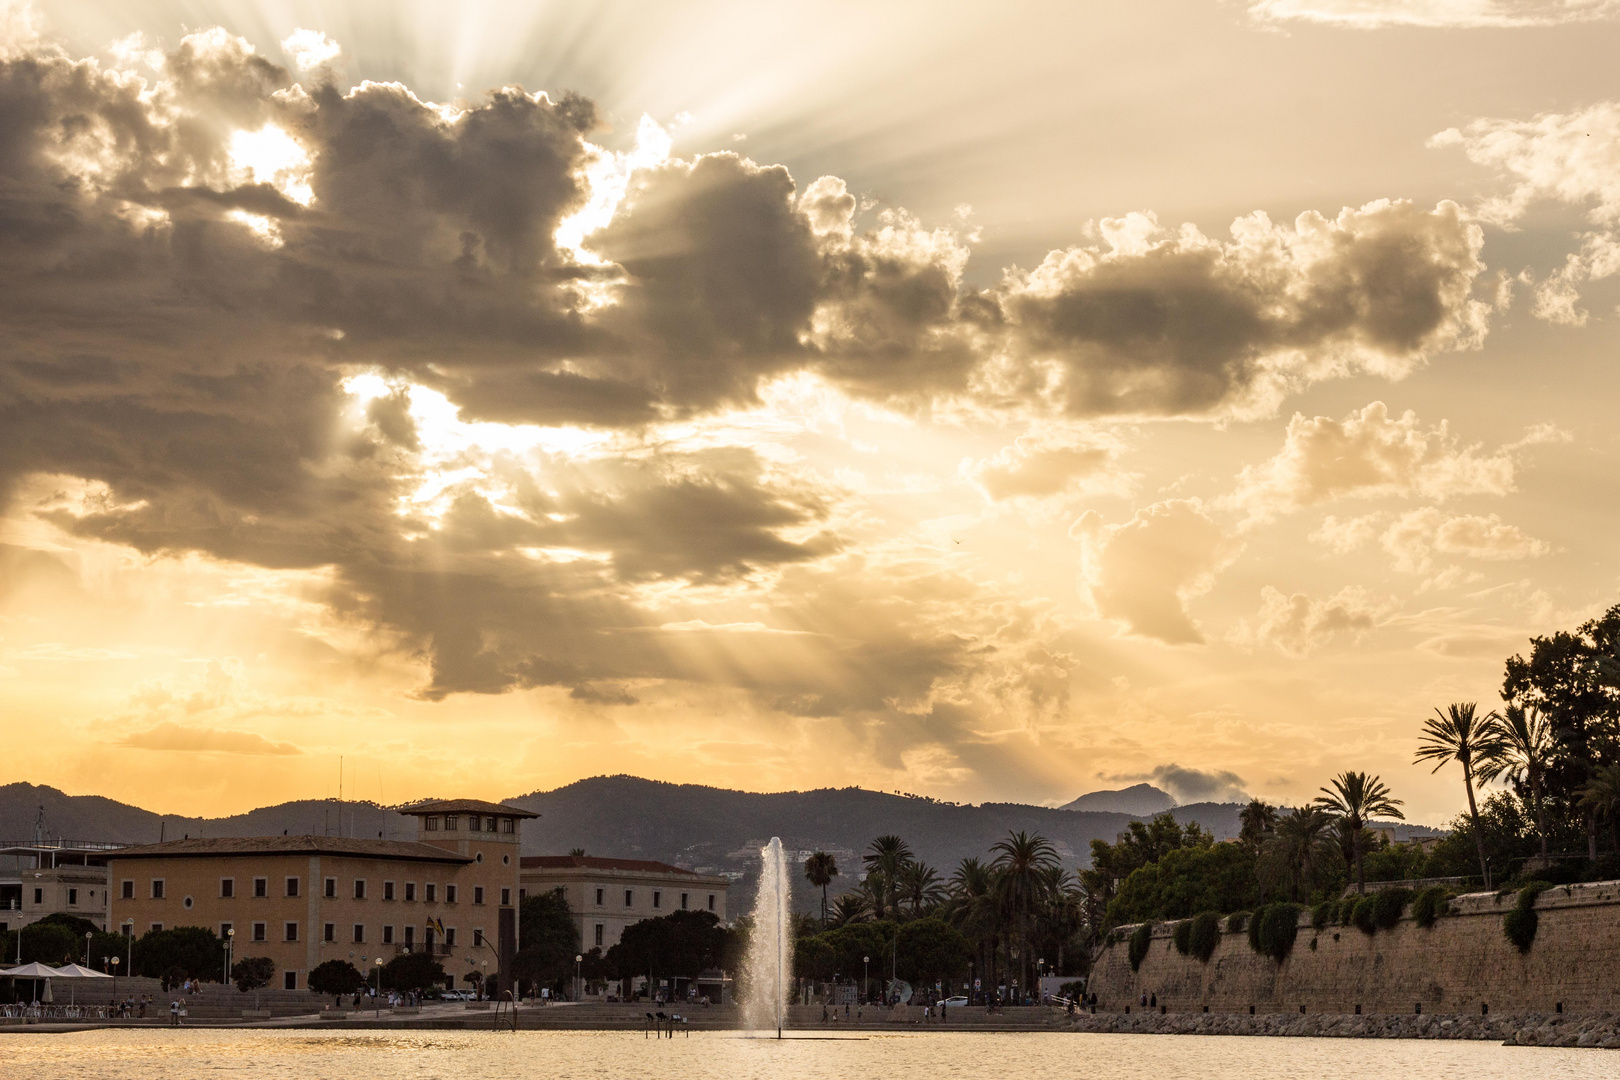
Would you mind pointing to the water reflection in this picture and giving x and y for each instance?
(432, 1055)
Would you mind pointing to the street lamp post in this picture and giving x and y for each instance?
(115, 977)
(87, 936)
(376, 963)
(866, 979)
(1040, 966)
(230, 953)
(579, 990)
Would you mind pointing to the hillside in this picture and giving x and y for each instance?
(711, 830)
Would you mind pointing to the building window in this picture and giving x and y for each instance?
(388, 935)
(478, 894)
(478, 858)
(292, 886)
(73, 897)
(410, 892)
(289, 980)
(683, 901)
(128, 887)
(508, 825)
(224, 930)
(450, 823)
(157, 927)
(39, 896)
(292, 931)
(711, 901)
(157, 890)
(388, 890)
(475, 823)
(431, 824)
(599, 900)
(432, 893)
(410, 935)
(359, 933)
(449, 937)
(629, 897)
(258, 931)
(658, 898)
(478, 938)
(449, 894)
(359, 888)
(506, 898)
(331, 888)
(598, 935)
(329, 932)
(261, 887)
(227, 888)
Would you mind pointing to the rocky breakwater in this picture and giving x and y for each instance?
(1602, 1031)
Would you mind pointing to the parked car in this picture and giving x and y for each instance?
(955, 1002)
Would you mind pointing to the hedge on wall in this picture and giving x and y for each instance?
(1520, 923)
(1204, 935)
(1273, 929)
(1182, 936)
(1236, 921)
(1381, 911)
(1430, 904)
(1141, 941)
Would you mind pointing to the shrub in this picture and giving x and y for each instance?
(1520, 923)
(1321, 913)
(1204, 936)
(1236, 921)
(1347, 910)
(1141, 941)
(1388, 906)
(1182, 936)
(1430, 904)
(1273, 929)
(335, 977)
(253, 972)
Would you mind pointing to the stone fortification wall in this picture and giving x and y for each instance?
(1461, 965)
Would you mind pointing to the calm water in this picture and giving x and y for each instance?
(315, 1055)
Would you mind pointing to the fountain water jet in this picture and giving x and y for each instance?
(769, 965)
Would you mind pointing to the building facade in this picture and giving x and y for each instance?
(304, 900)
(607, 895)
(49, 877)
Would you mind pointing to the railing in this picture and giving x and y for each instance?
(62, 845)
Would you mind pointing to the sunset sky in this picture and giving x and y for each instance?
(988, 401)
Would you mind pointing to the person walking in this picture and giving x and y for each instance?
(174, 1013)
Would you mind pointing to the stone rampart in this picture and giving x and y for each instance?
(1462, 965)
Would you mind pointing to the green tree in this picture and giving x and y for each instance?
(850, 908)
(930, 950)
(1185, 882)
(253, 973)
(1256, 824)
(1021, 863)
(191, 951)
(920, 887)
(42, 942)
(886, 857)
(1601, 795)
(1522, 755)
(1357, 797)
(1472, 741)
(340, 977)
(1302, 837)
(548, 940)
(820, 868)
(411, 971)
(678, 945)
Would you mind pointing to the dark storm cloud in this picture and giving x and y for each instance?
(179, 330)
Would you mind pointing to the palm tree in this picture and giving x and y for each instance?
(887, 856)
(821, 868)
(1527, 744)
(920, 886)
(850, 908)
(1021, 860)
(1475, 743)
(1356, 797)
(1601, 796)
(975, 910)
(1301, 837)
(1257, 821)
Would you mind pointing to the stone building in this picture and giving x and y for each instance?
(46, 877)
(304, 900)
(607, 895)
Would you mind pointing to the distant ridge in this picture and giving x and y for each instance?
(1136, 799)
(706, 829)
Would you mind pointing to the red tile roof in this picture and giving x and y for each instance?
(199, 847)
(462, 806)
(592, 862)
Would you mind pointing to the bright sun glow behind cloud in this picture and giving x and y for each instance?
(271, 156)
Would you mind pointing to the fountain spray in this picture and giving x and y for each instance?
(770, 949)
